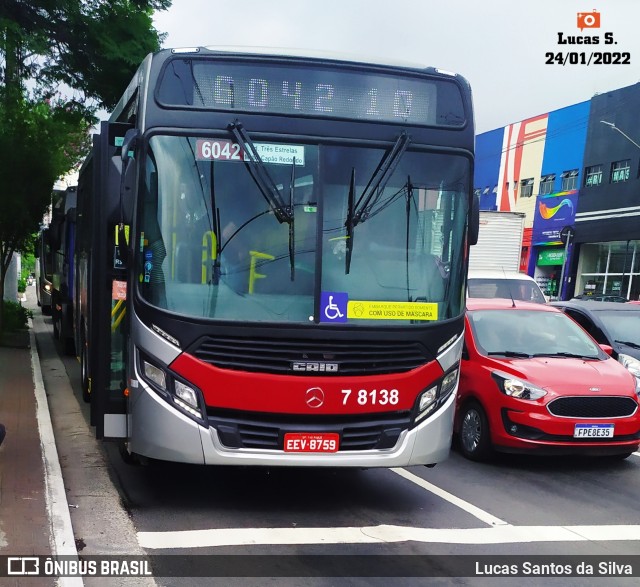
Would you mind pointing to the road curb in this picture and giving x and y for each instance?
(61, 531)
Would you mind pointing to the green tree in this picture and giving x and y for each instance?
(38, 143)
(92, 48)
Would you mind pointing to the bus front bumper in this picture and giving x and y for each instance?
(158, 430)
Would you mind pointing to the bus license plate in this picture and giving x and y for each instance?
(311, 442)
(593, 431)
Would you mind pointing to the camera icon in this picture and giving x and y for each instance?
(589, 20)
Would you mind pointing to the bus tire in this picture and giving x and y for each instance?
(129, 458)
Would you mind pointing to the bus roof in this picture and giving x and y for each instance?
(312, 53)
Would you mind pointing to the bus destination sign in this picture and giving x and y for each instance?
(308, 90)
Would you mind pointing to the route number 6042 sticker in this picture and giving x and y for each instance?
(218, 149)
(370, 397)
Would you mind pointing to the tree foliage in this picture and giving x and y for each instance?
(39, 141)
(92, 48)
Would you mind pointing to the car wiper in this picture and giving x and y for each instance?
(379, 179)
(261, 176)
(566, 355)
(633, 345)
(517, 354)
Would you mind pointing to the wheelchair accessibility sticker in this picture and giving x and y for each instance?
(336, 307)
(333, 306)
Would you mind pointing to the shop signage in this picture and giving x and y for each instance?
(551, 257)
(553, 212)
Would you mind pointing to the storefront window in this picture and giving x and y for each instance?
(610, 269)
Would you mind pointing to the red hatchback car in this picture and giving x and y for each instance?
(533, 381)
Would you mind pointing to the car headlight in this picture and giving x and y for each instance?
(631, 363)
(518, 388)
(633, 366)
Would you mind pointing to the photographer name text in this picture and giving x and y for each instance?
(602, 568)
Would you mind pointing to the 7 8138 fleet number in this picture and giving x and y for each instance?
(370, 397)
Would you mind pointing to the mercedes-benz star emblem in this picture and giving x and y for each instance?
(314, 397)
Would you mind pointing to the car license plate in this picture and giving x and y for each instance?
(593, 431)
(311, 442)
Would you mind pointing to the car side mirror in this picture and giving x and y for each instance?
(607, 348)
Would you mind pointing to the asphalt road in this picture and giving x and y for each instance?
(317, 527)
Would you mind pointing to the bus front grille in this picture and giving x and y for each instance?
(305, 357)
(264, 431)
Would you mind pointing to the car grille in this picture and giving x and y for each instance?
(276, 356)
(593, 407)
(262, 431)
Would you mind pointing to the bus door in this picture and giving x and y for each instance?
(108, 291)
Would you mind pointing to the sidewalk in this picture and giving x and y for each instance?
(34, 516)
(40, 513)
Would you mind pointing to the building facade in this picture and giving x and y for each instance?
(575, 174)
(607, 227)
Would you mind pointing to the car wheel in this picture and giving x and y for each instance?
(475, 438)
(620, 457)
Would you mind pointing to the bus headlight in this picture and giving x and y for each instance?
(180, 394)
(434, 397)
(427, 400)
(186, 394)
(448, 384)
(155, 375)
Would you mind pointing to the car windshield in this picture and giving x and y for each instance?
(226, 238)
(622, 326)
(516, 289)
(528, 332)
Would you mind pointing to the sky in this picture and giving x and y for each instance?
(500, 46)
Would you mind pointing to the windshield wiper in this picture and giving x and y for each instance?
(379, 179)
(349, 223)
(633, 345)
(360, 211)
(566, 355)
(517, 354)
(261, 176)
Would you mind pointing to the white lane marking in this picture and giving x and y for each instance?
(452, 499)
(636, 454)
(384, 534)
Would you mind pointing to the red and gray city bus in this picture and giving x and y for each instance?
(271, 260)
(43, 270)
(61, 238)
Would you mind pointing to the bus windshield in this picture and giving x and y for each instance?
(223, 237)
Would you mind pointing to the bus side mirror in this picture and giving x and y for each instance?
(128, 175)
(474, 220)
(129, 144)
